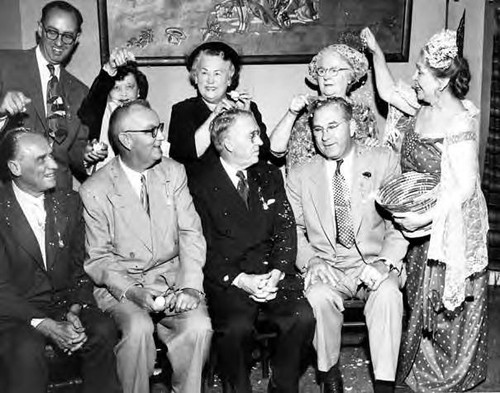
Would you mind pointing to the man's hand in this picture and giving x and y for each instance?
(144, 298)
(118, 58)
(187, 299)
(13, 102)
(374, 274)
(256, 286)
(269, 290)
(73, 316)
(92, 156)
(321, 270)
(63, 334)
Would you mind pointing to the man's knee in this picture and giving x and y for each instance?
(321, 297)
(102, 330)
(199, 325)
(27, 348)
(238, 326)
(137, 327)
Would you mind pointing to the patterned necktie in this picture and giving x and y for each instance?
(144, 194)
(55, 108)
(342, 203)
(242, 187)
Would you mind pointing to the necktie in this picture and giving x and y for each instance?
(55, 108)
(242, 187)
(144, 194)
(342, 203)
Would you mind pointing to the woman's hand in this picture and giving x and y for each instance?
(412, 221)
(298, 103)
(370, 41)
(118, 58)
(241, 99)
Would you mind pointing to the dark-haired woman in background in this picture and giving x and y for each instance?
(214, 69)
(444, 348)
(118, 82)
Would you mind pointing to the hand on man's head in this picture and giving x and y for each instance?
(13, 102)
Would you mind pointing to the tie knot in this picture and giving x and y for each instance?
(52, 69)
(241, 175)
(339, 163)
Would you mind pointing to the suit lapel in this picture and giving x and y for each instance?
(20, 228)
(34, 88)
(320, 195)
(128, 205)
(232, 199)
(55, 228)
(357, 192)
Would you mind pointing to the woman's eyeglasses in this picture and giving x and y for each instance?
(330, 71)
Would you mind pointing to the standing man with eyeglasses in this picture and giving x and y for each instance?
(146, 252)
(37, 93)
(346, 248)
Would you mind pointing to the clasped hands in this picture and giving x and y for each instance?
(175, 301)
(261, 287)
(68, 335)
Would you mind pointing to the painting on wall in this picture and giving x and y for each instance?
(163, 32)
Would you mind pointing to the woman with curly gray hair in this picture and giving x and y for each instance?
(335, 71)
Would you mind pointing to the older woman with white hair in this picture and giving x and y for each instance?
(336, 71)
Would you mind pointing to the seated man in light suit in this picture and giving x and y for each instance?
(345, 247)
(144, 242)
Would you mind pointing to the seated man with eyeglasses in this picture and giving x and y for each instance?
(145, 253)
(36, 92)
(346, 248)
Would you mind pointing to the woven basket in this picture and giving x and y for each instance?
(410, 192)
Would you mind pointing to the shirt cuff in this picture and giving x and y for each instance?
(236, 281)
(36, 321)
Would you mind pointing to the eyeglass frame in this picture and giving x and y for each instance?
(329, 128)
(153, 130)
(51, 30)
(322, 72)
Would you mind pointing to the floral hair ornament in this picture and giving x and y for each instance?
(356, 60)
(441, 49)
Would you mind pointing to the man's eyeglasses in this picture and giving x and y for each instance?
(153, 131)
(53, 35)
(331, 127)
(330, 71)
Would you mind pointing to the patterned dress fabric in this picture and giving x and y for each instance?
(301, 147)
(442, 350)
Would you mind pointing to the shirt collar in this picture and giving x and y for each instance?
(42, 65)
(231, 172)
(25, 198)
(131, 173)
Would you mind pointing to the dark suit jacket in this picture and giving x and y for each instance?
(94, 105)
(187, 116)
(254, 240)
(27, 289)
(19, 71)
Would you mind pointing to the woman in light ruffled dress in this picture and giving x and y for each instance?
(444, 348)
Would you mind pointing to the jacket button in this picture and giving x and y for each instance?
(132, 255)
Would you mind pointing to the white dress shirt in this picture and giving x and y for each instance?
(133, 177)
(34, 211)
(231, 172)
(346, 170)
(45, 73)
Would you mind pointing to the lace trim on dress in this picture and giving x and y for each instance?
(459, 228)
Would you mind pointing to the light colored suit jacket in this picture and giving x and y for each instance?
(307, 190)
(125, 246)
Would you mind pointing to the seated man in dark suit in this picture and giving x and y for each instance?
(45, 295)
(251, 250)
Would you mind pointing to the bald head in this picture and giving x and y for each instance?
(136, 134)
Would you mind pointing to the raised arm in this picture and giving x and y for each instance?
(386, 87)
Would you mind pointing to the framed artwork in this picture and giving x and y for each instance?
(164, 32)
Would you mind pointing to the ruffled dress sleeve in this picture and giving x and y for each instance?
(460, 227)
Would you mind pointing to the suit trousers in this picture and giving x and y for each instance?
(22, 356)
(187, 336)
(383, 312)
(234, 315)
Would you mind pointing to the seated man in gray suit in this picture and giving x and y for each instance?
(345, 247)
(146, 252)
